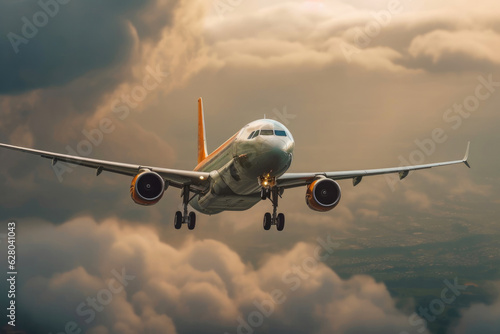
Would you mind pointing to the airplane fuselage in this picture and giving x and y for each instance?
(261, 150)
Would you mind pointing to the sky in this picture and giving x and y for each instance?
(360, 84)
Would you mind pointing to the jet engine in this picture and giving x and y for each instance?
(323, 195)
(147, 188)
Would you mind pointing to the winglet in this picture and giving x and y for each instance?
(202, 140)
(466, 157)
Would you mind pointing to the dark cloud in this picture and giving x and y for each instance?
(73, 39)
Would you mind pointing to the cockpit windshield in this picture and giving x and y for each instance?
(267, 130)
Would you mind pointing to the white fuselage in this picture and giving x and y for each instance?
(263, 148)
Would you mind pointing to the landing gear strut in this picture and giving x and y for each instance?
(273, 219)
(184, 217)
(265, 193)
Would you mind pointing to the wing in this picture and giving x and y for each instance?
(198, 181)
(291, 180)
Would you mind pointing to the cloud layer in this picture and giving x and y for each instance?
(140, 284)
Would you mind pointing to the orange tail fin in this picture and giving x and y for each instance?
(202, 140)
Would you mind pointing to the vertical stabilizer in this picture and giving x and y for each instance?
(202, 139)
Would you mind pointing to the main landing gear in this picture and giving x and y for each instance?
(185, 218)
(275, 218)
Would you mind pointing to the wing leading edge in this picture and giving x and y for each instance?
(291, 180)
(200, 180)
(175, 177)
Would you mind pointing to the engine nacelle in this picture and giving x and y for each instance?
(323, 195)
(147, 188)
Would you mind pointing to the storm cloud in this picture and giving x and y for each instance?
(49, 43)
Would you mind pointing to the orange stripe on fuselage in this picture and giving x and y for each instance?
(215, 153)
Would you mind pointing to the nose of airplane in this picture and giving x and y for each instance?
(274, 156)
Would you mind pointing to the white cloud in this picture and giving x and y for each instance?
(201, 285)
(480, 318)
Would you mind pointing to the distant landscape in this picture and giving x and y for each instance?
(417, 272)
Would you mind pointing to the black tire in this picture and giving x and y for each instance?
(192, 220)
(280, 222)
(267, 221)
(178, 220)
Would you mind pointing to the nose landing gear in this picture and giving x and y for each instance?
(273, 219)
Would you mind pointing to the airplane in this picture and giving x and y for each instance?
(246, 169)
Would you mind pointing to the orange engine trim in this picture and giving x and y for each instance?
(313, 204)
(135, 196)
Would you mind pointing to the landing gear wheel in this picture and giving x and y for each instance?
(267, 221)
(191, 220)
(280, 222)
(178, 220)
